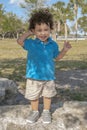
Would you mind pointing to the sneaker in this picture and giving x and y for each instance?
(33, 116)
(46, 117)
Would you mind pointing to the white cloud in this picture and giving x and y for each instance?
(18, 2)
(11, 1)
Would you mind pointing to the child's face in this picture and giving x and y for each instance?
(42, 31)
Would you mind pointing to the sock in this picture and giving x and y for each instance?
(46, 110)
(35, 110)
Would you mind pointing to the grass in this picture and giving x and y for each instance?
(10, 49)
(13, 59)
(76, 58)
(75, 95)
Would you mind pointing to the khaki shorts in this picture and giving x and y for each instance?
(38, 88)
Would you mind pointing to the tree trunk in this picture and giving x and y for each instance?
(3, 36)
(54, 32)
(58, 26)
(17, 35)
(75, 13)
(54, 35)
(65, 30)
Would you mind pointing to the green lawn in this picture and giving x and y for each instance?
(76, 58)
(13, 59)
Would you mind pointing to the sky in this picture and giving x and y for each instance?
(14, 6)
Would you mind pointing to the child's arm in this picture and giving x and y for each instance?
(66, 47)
(21, 39)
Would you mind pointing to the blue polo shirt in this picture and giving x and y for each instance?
(40, 59)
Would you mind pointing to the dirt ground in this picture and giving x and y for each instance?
(72, 85)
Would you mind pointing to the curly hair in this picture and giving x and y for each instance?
(41, 16)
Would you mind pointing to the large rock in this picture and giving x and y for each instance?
(71, 116)
(8, 89)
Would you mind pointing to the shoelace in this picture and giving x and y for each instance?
(33, 114)
(46, 114)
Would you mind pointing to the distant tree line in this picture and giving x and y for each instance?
(11, 26)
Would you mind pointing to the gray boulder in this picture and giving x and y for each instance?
(8, 88)
(71, 116)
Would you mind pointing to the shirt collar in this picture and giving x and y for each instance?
(39, 41)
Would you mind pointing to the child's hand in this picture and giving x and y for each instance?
(66, 46)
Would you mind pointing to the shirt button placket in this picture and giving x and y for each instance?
(43, 45)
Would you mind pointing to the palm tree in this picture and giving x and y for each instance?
(61, 14)
(1, 17)
(84, 7)
(75, 4)
(82, 24)
(33, 4)
(57, 12)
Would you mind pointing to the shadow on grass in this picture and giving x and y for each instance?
(68, 73)
(71, 65)
(13, 69)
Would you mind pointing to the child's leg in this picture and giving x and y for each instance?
(48, 92)
(46, 115)
(34, 104)
(34, 114)
(47, 103)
